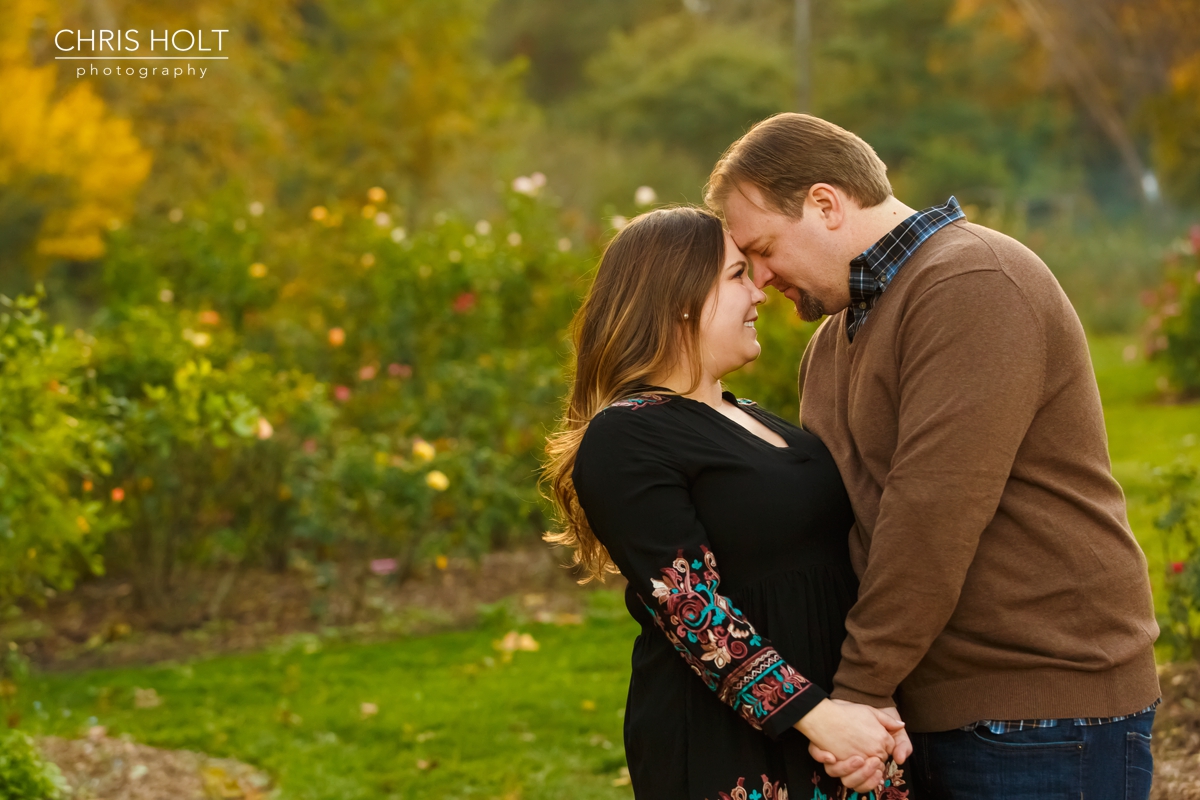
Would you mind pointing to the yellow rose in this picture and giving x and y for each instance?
(437, 480)
(423, 450)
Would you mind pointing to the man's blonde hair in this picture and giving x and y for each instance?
(784, 155)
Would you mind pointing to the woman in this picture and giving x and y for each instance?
(729, 524)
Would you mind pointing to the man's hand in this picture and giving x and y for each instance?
(863, 775)
(852, 734)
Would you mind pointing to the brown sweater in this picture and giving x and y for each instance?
(1000, 578)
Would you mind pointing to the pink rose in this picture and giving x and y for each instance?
(464, 302)
(383, 566)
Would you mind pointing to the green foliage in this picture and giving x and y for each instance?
(1179, 527)
(453, 336)
(951, 95)
(50, 530)
(1176, 117)
(558, 38)
(24, 773)
(690, 84)
(1173, 328)
(773, 380)
(1104, 265)
(201, 436)
(1182, 329)
(369, 394)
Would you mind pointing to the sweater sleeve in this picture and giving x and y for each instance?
(639, 506)
(971, 357)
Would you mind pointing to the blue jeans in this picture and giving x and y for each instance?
(1067, 762)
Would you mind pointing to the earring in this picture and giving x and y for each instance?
(685, 315)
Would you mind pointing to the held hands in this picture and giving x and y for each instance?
(854, 741)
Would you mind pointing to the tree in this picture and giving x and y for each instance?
(69, 169)
(954, 96)
(1130, 64)
(688, 83)
(557, 39)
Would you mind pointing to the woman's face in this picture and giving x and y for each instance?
(728, 340)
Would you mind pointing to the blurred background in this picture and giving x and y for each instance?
(280, 345)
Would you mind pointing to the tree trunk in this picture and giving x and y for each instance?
(803, 52)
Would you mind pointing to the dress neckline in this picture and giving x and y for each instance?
(742, 429)
(662, 394)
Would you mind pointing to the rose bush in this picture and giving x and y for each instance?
(1179, 526)
(330, 386)
(1172, 330)
(50, 529)
(200, 435)
(260, 386)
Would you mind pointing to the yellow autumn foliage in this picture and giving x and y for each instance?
(67, 136)
(1185, 76)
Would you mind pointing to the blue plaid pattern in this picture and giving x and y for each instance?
(1012, 726)
(874, 269)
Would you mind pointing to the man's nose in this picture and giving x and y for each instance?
(762, 275)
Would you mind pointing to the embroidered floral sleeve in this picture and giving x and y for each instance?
(717, 641)
(893, 779)
(638, 503)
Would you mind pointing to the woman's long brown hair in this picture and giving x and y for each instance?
(632, 326)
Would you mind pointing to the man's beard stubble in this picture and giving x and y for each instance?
(809, 308)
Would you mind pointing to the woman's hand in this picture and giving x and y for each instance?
(857, 738)
(863, 775)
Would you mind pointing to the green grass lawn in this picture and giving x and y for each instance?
(1143, 433)
(456, 721)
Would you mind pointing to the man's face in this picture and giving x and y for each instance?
(799, 258)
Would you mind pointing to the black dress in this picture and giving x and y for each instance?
(727, 661)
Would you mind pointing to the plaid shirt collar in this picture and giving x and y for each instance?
(874, 269)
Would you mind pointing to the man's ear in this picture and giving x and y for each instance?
(827, 201)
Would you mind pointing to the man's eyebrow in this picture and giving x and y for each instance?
(752, 246)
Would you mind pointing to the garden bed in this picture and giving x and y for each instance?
(101, 625)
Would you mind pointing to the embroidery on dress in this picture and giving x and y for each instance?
(893, 778)
(771, 790)
(719, 644)
(641, 400)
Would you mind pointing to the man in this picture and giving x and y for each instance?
(1004, 604)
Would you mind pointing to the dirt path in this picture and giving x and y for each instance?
(104, 768)
(1176, 743)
